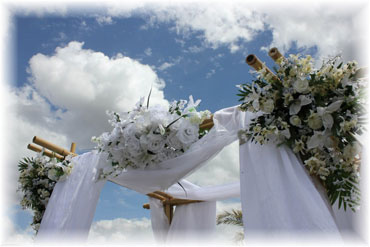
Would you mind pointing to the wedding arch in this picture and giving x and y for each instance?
(278, 194)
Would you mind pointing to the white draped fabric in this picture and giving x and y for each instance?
(72, 204)
(194, 222)
(276, 193)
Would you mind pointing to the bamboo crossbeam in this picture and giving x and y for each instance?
(48, 153)
(52, 147)
(161, 193)
(168, 202)
(177, 201)
(156, 196)
(207, 124)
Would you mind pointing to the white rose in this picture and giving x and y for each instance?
(155, 143)
(174, 141)
(188, 133)
(314, 121)
(268, 106)
(52, 174)
(301, 86)
(295, 120)
(132, 146)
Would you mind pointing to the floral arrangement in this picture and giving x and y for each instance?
(37, 179)
(146, 136)
(317, 113)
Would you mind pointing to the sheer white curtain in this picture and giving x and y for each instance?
(195, 222)
(70, 211)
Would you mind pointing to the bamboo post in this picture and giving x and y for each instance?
(73, 147)
(253, 61)
(168, 210)
(52, 146)
(274, 53)
(48, 153)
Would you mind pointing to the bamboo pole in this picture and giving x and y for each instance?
(253, 61)
(207, 124)
(156, 196)
(161, 193)
(178, 201)
(51, 146)
(274, 53)
(168, 210)
(48, 153)
(73, 147)
(146, 206)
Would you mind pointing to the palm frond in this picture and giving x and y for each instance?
(235, 217)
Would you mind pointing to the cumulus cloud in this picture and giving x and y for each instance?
(82, 84)
(222, 169)
(66, 101)
(121, 230)
(330, 29)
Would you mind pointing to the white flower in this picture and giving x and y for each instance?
(297, 105)
(319, 139)
(295, 120)
(68, 169)
(52, 174)
(285, 133)
(350, 151)
(253, 97)
(267, 106)
(191, 105)
(346, 126)
(133, 146)
(188, 133)
(314, 164)
(298, 146)
(174, 141)
(301, 85)
(325, 113)
(314, 121)
(155, 143)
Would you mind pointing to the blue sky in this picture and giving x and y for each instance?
(179, 49)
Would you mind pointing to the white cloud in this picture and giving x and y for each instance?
(224, 168)
(85, 84)
(10, 235)
(81, 85)
(121, 230)
(195, 49)
(104, 20)
(148, 52)
(61, 37)
(332, 29)
(210, 73)
(165, 66)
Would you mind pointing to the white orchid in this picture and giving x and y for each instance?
(296, 106)
(254, 97)
(319, 140)
(325, 113)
